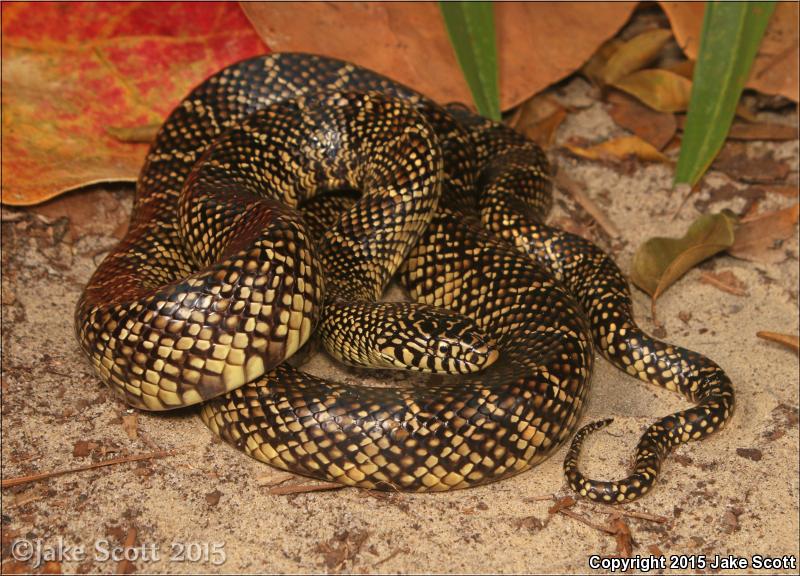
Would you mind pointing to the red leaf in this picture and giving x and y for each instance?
(74, 72)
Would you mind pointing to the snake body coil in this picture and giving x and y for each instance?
(219, 280)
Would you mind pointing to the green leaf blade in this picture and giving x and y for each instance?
(731, 34)
(471, 29)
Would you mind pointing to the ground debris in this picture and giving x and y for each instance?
(344, 547)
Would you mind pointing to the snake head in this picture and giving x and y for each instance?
(439, 341)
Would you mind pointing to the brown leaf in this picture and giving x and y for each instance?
(342, 548)
(661, 90)
(759, 239)
(92, 211)
(622, 534)
(683, 68)
(212, 498)
(734, 162)
(788, 340)
(634, 54)
(754, 130)
(83, 448)
(725, 281)
(130, 423)
(562, 504)
(656, 128)
(617, 149)
(753, 454)
(407, 41)
(659, 262)
(749, 131)
(137, 134)
(538, 118)
(775, 69)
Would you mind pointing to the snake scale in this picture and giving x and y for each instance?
(221, 278)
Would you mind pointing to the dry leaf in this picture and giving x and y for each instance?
(83, 448)
(775, 69)
(72, 71)
(634, 54)
(137, 134)
(759, 239)
(537, 43)
(618, 149)
(130, 423)
(725, 281)
(622, 534)
(734, 161)
(538, 118)
(95, 211)
(343, 547)
(654, 127)
(593, 69)
(661, 90)
(753, 130)
(749, 131)
(683, 68)
(788, 340)
(562, 504)
(659, 262)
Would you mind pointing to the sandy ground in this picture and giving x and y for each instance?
(209, 508)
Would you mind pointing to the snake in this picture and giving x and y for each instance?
(276, 203)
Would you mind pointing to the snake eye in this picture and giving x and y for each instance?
(443, 347)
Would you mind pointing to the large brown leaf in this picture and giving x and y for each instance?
(538, 43)
(76, 75)
(775, 69)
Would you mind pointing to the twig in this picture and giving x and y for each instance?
(538, 498)
(579, 518)
(8, 483)
(302, 488)
(564, 182)
(389, 557)
(635, 514)
(125, 566)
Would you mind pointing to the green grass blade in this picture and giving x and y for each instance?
(471, 29)
(729, 42)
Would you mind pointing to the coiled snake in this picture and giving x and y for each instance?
(220, 279)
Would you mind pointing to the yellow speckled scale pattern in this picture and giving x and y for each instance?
(220, 280)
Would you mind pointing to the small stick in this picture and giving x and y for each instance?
(539, 498)
(389, 557)
(8, 483)
(301, 488)
(579, 518)
(569, 185)
(635, 514)
(125, 566)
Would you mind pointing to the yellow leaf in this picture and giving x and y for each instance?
(617, 149)
(662, 90)
(659, 262)
(635, 54)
